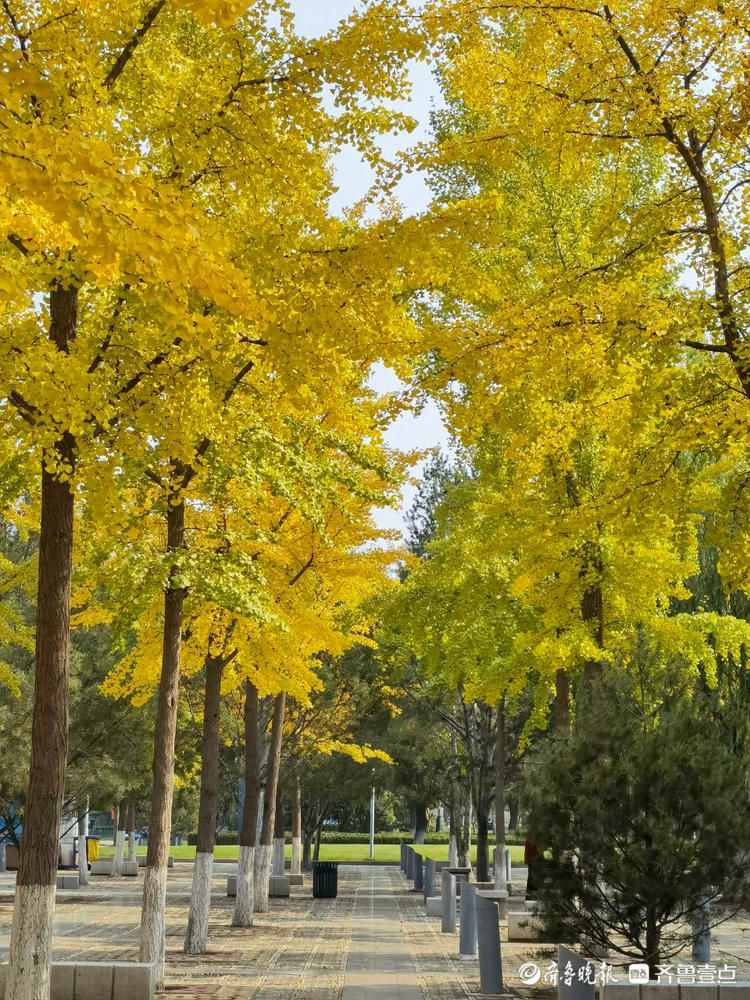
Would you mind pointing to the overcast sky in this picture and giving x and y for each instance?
(314, 17)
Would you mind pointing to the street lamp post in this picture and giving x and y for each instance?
(372, 823)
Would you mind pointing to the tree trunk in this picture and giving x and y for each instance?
(513, 810)
(196, 937)
(592, 612)
(296, 866)
(452, 838)
(122, 822)
(483, 842)
(115, 824)
(263, 861)
(480, 749)
(83, 829)
(562, 703)
(155, 879)
(306, 852)
(245, 902)
(30, 955)
(278, 863)
(131, 833)
(455, 836)
(464, 847)
(420, 822)
(318, 830)
(500, 879)
(653, 942)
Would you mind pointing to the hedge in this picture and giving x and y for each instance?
(337, 837)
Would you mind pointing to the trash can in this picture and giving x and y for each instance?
(92, 849)
(325, 879)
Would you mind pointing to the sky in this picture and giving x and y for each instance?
(426, 429)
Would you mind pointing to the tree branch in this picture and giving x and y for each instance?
(127, 53)
(18, 244)
(700, 346)
(26, 410)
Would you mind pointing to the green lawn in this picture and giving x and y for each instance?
(330, 852)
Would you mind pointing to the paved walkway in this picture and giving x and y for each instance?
(380, 964)
(373, 942)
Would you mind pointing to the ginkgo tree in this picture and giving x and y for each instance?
(261, 526)
(113, 243)
(637, 108)
(79, 212)
(570, 373)
(317, 598)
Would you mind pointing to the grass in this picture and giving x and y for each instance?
(328, 852)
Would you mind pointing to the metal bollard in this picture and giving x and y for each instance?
(467, 937)
(488, 940)
(429, 878)
(448, 888)
(418, 872)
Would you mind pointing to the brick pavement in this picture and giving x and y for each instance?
(302, 949)
(369, 943)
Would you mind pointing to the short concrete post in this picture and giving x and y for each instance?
(429, 878)
(410, 863)
(576, 976)
(2, 857)
(488, 939)
(467, 937)
(403, 857)
(448, 889)
(418, 872)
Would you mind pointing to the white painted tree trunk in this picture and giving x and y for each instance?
(262, 876)
(83, 831)
(152, 921)
(31, 943)
(452, 852)
(296, 868)
(498, 863)
(278, 865)
(119, 854)
(196, 938)
(245, 903)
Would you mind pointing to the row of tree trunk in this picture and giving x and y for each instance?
(255, 849)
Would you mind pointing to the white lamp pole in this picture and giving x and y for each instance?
(372, 823)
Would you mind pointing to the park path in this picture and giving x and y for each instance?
(373, 942)
(380, 963)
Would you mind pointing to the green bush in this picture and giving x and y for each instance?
(224, 837)
(395, 837)
(334, 837)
